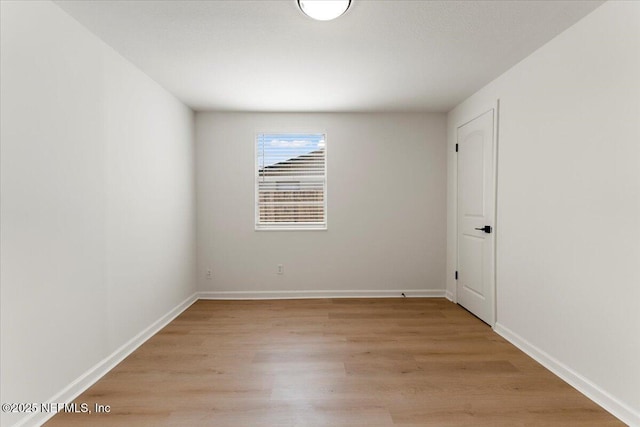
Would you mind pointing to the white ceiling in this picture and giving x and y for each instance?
(380, 56)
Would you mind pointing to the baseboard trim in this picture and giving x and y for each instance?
(258, 295)
(91, 376)
(449, 295)
(592, 391)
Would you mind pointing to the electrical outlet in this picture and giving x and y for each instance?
(209, 274)
(280, 269)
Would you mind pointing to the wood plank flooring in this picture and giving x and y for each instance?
(332, 362)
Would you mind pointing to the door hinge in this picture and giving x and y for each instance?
(456, 274)
(456, 148)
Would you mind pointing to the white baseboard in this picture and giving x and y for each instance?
(592, 391)
(449, 295)
(86, 380)
(249, 295)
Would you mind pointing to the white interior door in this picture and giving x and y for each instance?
(476, 206)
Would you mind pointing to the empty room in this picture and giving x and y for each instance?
(320, 213)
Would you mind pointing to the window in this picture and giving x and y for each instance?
(291, 181)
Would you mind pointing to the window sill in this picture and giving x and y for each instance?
(290, 228)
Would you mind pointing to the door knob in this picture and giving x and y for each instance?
(486, 229)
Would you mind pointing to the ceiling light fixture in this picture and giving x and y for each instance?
(324, 10)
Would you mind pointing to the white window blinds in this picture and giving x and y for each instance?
(291, 181)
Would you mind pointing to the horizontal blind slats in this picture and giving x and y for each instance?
(291, 180)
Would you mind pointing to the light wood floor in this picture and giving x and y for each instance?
(332, 362)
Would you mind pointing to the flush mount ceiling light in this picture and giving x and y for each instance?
(324, 10)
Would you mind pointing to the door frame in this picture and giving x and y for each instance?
(495, 106)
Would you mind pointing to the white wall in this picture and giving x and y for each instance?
(98, 207)
(568, 211)
(386, 206)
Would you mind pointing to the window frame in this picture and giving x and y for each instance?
(256, 176)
